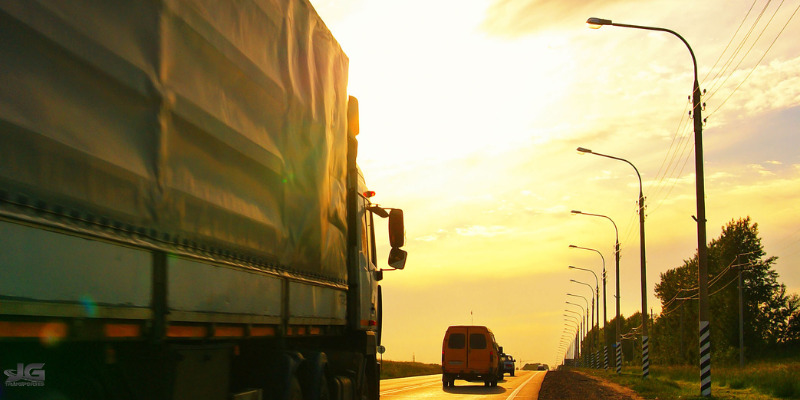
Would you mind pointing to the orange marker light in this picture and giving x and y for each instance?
(369, 193)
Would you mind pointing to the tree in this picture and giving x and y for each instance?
(770, 316)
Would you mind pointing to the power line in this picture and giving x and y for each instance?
(671, 159)
(759, 62)
(683, 123)
(730, 41)
(713, 92)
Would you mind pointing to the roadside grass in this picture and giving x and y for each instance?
(760, 381)
(401, 369)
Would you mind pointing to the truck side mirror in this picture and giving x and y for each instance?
(397, 230)
(397, 258)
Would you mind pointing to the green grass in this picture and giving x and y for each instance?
(778, 379)
(762, 381)
(400, 369)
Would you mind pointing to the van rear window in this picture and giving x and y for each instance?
(457, 341)
(477, 341)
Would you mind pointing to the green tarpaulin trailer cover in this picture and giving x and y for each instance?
(185, 124)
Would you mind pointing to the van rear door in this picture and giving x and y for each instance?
(455, 354)
(479, 349)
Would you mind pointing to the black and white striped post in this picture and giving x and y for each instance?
(618, 347)
(705, 359)
(645, 356)
(605, 357)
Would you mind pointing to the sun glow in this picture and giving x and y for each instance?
(470, 116)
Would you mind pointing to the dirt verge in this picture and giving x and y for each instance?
(573, 385)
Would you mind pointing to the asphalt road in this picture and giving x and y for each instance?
(525, 386)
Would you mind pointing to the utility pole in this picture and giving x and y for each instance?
(681, 331)
(741, 320)
(618, 343)
(645, 338)
(702, 248)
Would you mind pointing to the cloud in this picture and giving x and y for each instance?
(485, 231)
(767, 87)
(761, 170)
(520, 17)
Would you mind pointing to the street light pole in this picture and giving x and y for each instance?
(597, 335)
(702, 249)
(586, 313)
(618, 329)
(597, 290)
(586, 331)
(645, 337)
(582, 313)
(578, 334)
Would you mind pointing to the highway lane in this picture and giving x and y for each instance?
(524, 386)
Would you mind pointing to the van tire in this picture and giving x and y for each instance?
(447, 381)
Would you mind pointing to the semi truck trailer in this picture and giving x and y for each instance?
(181, 213)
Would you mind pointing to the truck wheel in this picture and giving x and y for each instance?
(295, 391)
(313, 376)
(324, 390)
(512, 373)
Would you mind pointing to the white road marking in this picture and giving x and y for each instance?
(514, 393)
(404, 388)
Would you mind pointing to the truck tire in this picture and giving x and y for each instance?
(295, 391)
(313, 376)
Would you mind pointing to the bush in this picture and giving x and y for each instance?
(400, 369)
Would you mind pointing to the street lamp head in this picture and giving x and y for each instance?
(572, 246)
(576, 212)
(583, 150)
(573, 280)
(596, 23)
(571, 267)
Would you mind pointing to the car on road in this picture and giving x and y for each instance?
(508, 364)
(471, 353)
(543, 367)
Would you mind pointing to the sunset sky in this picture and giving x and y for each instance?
(471, 111)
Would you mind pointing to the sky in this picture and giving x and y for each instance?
(471, 112)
